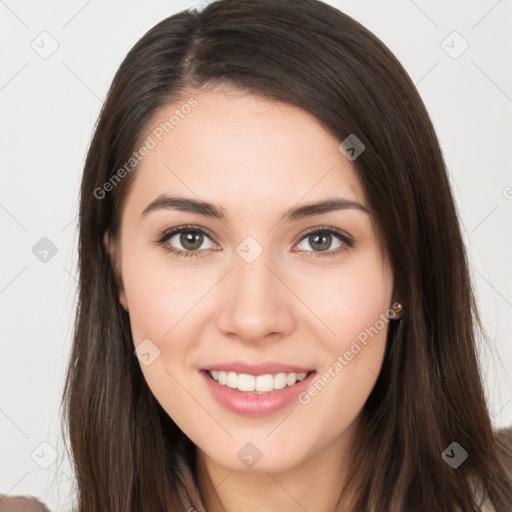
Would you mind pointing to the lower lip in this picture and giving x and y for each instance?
(254, 404)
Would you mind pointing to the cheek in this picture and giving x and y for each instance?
(161, 303)
(159, 294)
(355, 305)
(350, 300)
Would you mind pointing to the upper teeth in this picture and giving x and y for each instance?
(261, 383)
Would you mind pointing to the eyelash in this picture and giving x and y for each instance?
(347, 242)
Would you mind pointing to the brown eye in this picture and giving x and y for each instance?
(186, 241)
(191, 240)
(321, 242)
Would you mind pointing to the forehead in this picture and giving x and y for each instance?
(242, 151)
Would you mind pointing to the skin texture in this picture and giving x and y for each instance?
(256, 159)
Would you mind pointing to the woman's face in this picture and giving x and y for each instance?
(262, 292)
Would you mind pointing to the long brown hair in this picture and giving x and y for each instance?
(429, 392)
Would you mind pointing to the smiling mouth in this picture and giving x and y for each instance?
(261, 384)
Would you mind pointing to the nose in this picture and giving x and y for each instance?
(258, 304)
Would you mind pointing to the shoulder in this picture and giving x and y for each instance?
(21, 504)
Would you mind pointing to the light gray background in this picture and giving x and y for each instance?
(49, 107)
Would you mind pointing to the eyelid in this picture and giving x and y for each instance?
(329, 229)
(347, 241)
(187, 227)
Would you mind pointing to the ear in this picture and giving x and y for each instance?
(110, 247)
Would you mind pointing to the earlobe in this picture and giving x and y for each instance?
(110, 247)
(398, 309)
(122, 299)
(109, 244)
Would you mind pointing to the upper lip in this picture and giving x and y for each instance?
(256, 369)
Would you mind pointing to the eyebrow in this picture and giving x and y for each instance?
(165, 202)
